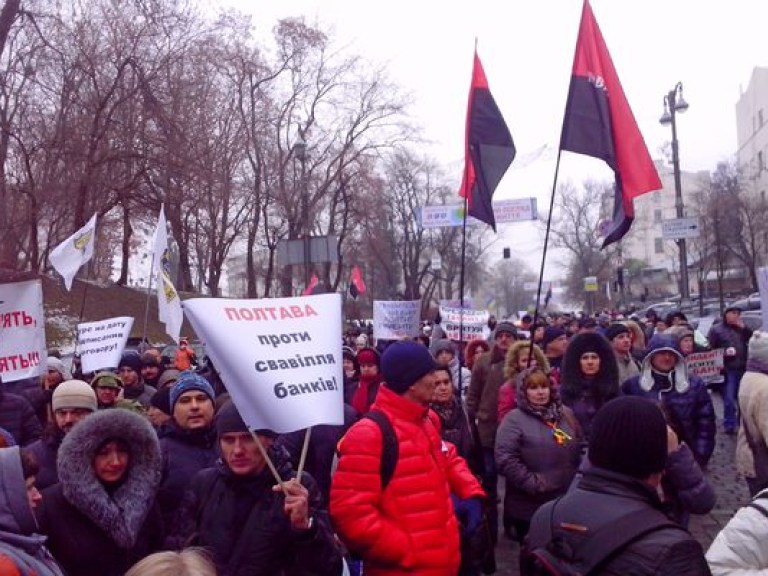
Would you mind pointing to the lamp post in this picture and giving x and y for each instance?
(674, 103)
(300, 149)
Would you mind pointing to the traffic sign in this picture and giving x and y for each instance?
(680, 228)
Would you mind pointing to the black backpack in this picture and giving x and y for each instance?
(560, 557)
(390, 449)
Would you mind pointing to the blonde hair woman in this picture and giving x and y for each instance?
(189, 562)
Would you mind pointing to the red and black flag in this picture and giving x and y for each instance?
(313, 282)
(356, 283)
(599, 122)
(488, 151)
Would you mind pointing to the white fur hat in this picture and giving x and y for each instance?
(758, 346)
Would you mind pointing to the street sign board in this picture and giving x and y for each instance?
(505, 212)
(590, 284)
(680, 228)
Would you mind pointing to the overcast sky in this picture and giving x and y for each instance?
(527, 51)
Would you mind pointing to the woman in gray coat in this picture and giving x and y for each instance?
(538, 448)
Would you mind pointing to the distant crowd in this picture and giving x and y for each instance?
(595, 425)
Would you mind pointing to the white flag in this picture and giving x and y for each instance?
(70, 255)
(168, 301)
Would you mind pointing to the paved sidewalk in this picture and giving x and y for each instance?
(731, 495)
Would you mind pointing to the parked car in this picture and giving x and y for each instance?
(751, 302)
(753, 319)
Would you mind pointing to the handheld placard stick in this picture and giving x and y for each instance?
(266, 457)
(304, 450)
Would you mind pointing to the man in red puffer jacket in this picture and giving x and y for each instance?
(409, 527)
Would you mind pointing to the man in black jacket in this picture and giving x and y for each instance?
(733, 336)
(252, 525)
(627, 452)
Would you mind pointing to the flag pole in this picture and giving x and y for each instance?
(149, 295)
(304, 450)
(544, 252)
(461, 292)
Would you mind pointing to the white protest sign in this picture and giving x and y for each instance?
(22, 331)
(101, 343)
(396, 320)
(705, 364)
(464, 324)
(279, 358)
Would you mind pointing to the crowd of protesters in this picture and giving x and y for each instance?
(150, 469)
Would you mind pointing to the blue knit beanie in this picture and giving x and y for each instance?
(405, 362)
(189, 380)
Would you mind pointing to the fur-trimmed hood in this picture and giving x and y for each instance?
(513, 353)
(122, 512)
(605, 383)
(677, 378)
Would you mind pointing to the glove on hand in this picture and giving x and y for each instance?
(469, 513)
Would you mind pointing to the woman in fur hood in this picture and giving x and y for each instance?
(101, 517)
(589, 378)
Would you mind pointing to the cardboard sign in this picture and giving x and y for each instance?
(396, 320)
(101, 343)
(705, 364)
(464, 324)
(22, 331)
(280, 358)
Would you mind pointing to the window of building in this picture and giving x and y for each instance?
(656, 197)
(658, 245)
(657, 216)
(760, 162)
(760, 118)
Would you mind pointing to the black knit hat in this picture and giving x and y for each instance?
(131, 360)
(629, 436)
(615, 330)
(403, 363)
(504, 326)
(162, 400)
(228, 419)
(551, 333)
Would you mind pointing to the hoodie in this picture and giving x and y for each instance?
(20, 545)
(683, 396)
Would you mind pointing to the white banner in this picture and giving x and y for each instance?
(101, 343)
(168, 301)
(464, 324)
(22, 331)
(396, 320)
(504, 211)
(70, 255)
(280, 358)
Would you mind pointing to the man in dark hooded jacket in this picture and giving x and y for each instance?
(684, 397)
(252, 525)
(18, 417)
(628, 453)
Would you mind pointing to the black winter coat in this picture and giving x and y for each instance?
(726, 336)
(82, 548)
(242, 521)
(184, 454)
(18, 418)
(46, 450)
(601, 497)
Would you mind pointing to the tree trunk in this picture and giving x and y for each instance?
(126, 249)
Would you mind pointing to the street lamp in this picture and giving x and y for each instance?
(300, 150)
(674, 103)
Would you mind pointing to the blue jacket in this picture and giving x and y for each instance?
(683, 397)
